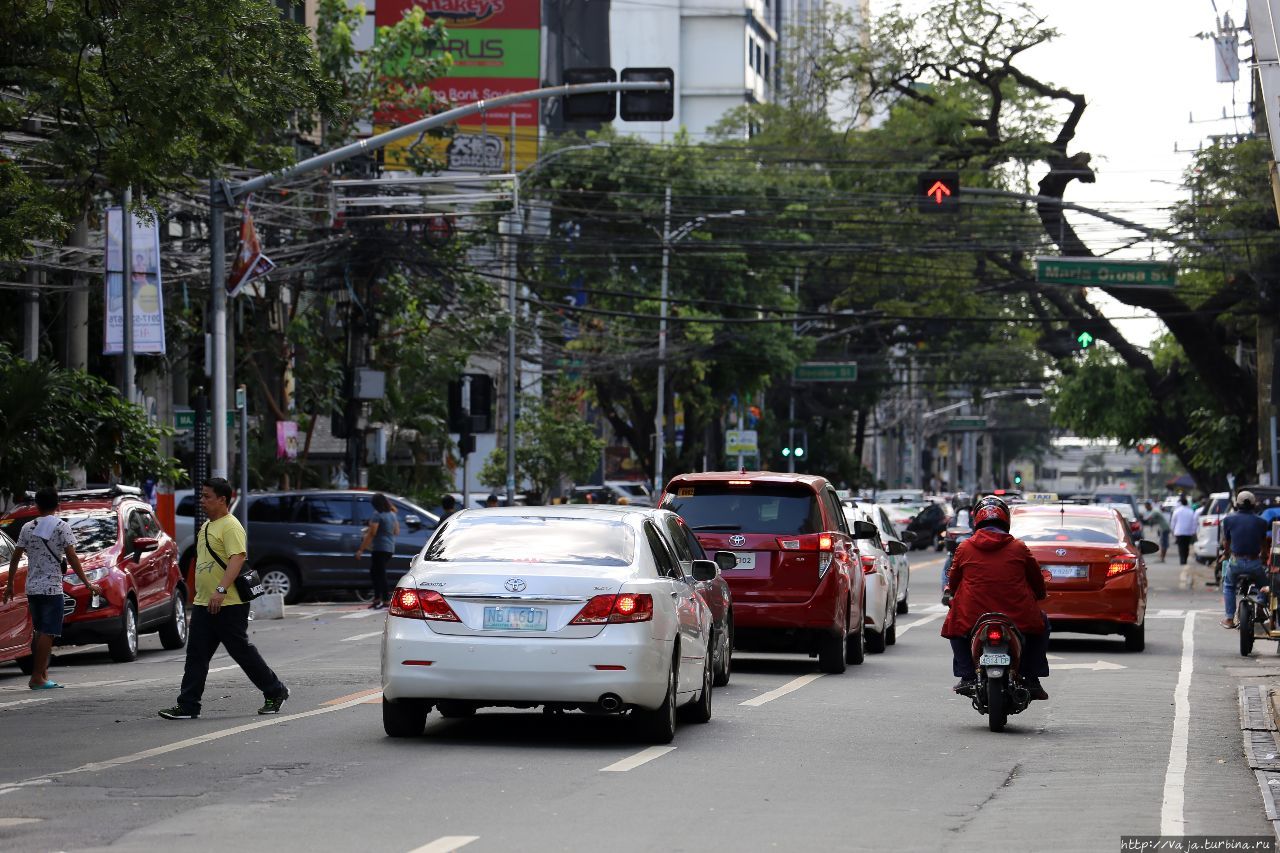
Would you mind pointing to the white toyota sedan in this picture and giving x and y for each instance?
(568, 607)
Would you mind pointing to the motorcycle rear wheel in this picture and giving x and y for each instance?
(997, 703)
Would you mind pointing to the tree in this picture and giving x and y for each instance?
(554, 443)
(53, 419)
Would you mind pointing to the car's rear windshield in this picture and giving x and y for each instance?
(758, 508)
(490, 538)
(1058, 527)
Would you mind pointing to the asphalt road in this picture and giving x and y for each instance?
(883, 757)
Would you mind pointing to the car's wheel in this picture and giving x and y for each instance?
(124, 645)
(405, 718)
(1135, 638)
(282, 579)
(724, 657)
(451, 710)
(699, 710)
(831, 652)
(659, 726)
(364, 596)
(173, 634)
(891, 635)
(855, 648)
(904, 605)
(875, 641)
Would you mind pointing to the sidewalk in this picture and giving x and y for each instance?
(1259, 709)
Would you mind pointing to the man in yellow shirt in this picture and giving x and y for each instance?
(219, 617)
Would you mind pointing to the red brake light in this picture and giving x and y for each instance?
(1209, 522)
(627, 607)
(421, 604)
(739, 482)
(995, 634)
(1120, 566)
(405, 603)
(824, 542)
(868, 564)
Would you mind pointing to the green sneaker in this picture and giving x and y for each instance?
(177, 712)
(272, 706)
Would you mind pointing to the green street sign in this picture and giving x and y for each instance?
(1105, 272)
(1085, 339)
(826, 371)
(966, 424)
(184, 420)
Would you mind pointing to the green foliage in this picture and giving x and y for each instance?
(52, 419)
(554, 442)
(1102, 398)
(1214, 443)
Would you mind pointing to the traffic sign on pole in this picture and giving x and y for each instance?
(826, 371)
(966, 424)
(1104, 272)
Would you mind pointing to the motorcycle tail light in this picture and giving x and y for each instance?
(995, 634)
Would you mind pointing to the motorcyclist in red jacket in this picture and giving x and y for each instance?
(994, 572)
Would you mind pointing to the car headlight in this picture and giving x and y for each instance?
(93, 575)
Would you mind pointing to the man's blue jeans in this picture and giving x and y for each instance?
(1237, 568)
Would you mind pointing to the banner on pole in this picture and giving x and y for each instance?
(250, 263)
(286, 439)
(148, 297)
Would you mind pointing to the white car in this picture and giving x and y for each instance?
(889, 532)
(1207, 526)
(569, 607)
(880, 612)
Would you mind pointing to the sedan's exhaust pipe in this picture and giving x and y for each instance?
(609, 703)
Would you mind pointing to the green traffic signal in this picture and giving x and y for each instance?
(786, 451)
(799, 452)
(1084, 339)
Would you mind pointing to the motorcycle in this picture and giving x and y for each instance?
(996, 645)
(953, 536)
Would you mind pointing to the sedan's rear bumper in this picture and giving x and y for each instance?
(518, 670)
(1118, 604)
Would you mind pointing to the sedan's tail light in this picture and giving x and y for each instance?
(624, 607)
(1120, 565)
(868, 564)
(1209, 522)
(421, 604)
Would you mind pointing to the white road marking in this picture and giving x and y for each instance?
(361, 614)
(224, 668)
(644, 756)
(6, 822)
(306, 614)
(1172, 820)
(25, 702)
(1095, 666)
(361, 636)
(934, 608)
(790, 687)
(110, 763)
(448, 843)
(933, 617)
(1167, 614)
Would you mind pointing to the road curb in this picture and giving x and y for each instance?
(1262, 745)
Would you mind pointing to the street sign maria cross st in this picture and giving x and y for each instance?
(1104, 272)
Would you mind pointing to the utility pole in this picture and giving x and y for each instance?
(513, 272)
(218, 330)
(78, 306)
(660, 416)
(31, 317)
(791, 387)
(465, 439)
(126, 287)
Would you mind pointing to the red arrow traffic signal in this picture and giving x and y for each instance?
(938, 191)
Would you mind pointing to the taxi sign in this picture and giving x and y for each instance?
(1041, 497)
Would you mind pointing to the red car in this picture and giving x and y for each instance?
(123, 550)
(1094, 571)
(15, 621)
(796, 579)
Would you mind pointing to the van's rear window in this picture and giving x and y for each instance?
(756, 508)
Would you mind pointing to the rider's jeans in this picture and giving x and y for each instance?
(1238, 567)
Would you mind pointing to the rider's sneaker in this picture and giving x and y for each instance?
(1034, 688)
(965, 686)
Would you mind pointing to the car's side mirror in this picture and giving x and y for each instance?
(412, 521)
(864, 530)
(726, 561)
(908, 536)
(705, 570)
(1146, 546)
(894, 548)
(145, 543)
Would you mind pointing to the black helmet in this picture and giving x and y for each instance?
(991, 511)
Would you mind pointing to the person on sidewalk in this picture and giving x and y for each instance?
(1183, 524)
(1155, 518)
(218, 616)
(1245, 539)
(49, 545)
(380, 538)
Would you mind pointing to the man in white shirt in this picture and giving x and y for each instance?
(1184, 528)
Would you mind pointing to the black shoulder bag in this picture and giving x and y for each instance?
(248, 582)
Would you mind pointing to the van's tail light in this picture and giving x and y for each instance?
(868, 564)
(1120, 566)
(625, 607)
(421, 604)
(822, 543)
(995, 633)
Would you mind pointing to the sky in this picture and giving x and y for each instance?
(1145, 75)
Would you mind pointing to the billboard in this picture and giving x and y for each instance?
(148, 299)
(496, 48)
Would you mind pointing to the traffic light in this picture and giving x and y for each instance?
(1017, 478)
(1085, 339)
(466, 443)
(938, 192)
(649, 106)
(598, 107)
(481, 405)
(798, 450)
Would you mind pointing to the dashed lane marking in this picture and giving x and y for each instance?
(371, 696)
(932, 617)
(1172, 819)
(362, 614)
(644, 756)
(361, 637)
(15, 704)
(778, 692)
(446, 844)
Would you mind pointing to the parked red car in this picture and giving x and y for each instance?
(15, 621)
(125, 552)
(796, 579)
(1093, 569)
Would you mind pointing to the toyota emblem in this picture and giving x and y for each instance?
(1061, 552)
(515, 585)
(737, 540)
